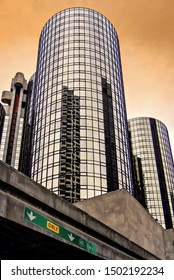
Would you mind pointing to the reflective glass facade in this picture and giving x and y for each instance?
(150, 142)
(138, 178)
(81, 146)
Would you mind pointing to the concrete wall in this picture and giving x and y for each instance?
(119, 226)
(169, 243)
(122, 212)
(17, 191)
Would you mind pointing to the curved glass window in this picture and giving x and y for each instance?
(150, 142)
(81, 124)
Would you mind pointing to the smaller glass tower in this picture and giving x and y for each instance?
(150, 142)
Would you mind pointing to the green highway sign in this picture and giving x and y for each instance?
(47, 224)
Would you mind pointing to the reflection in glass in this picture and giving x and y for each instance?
(82, 60)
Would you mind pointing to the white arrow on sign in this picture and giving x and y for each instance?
(71, 237)
(31, 216)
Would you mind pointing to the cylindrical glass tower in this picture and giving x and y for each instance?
(81, 146)
(150, 142)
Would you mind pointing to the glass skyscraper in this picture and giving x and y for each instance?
(15, 101)
(81, 146)
(150, 142)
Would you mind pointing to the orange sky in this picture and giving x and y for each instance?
(146, 34)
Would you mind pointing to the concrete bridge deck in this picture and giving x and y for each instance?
(37, 224)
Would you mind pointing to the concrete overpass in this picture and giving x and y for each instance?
(37, 224)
